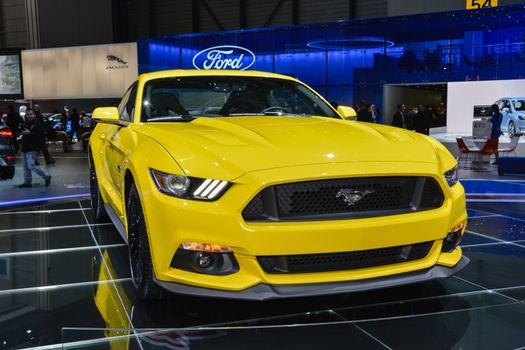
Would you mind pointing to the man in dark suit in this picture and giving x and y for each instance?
(364, 114)
(399, 118)
(42, 122)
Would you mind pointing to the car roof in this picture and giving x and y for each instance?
(210, 72)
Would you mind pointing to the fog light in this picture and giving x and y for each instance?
(453, 239)
(210, 259)
(204, 260)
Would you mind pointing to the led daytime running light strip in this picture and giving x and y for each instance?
(209, 189)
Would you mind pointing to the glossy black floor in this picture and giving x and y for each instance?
(65, 283)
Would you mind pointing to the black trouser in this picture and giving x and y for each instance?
(43, 147)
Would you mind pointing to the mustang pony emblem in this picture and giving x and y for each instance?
(352, 196)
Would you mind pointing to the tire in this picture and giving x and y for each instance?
(97, 204)
(7, 173)
(512, 130)
(139, 250)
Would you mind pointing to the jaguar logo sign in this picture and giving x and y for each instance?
(115, 62)
(224, 57)
(351, 197)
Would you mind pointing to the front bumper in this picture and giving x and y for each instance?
(264, 291)
(171, 221)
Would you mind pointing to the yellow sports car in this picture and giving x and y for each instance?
(249, 185)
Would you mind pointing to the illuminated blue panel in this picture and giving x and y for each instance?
(352, 60)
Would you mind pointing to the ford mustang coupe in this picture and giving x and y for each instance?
(249, 185)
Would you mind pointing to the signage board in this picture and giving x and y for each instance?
(224, 57)
(79, 72)
(477, 4)
(11, 86)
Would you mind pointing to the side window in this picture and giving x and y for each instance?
(126, 108)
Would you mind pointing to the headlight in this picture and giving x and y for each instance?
(188, 187)
(522, 117)
(452, 176)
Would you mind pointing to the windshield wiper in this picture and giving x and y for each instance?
(243, 114)
(283, 114)
(173, 118)
(286, 114)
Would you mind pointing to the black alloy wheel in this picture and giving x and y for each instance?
(97, 204)
(139, 250)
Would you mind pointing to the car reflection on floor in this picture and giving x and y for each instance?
(67, 281)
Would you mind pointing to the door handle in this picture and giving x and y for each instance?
(102, 136)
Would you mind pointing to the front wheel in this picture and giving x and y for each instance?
(512, 130)
(139, 250)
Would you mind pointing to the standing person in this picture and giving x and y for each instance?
(43, 147)
(32, 135)
(422, 121)
(364, 114)
(63, 121)
(495, 131)
(399, 119)
(441, 114)
(14, 120)
(75, 123)
(410, 117)
(376, 114)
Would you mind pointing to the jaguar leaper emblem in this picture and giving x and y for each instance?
(352, 196)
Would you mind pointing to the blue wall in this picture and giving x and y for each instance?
(352, 60)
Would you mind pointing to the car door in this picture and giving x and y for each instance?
(119, 142)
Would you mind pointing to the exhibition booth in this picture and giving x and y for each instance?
(67, 272)
(384, 61)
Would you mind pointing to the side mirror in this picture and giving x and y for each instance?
(505, 110)
(346, 112)
(107, 115)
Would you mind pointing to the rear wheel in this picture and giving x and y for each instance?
(97, 204)
(139, 250)
(512, 130)
(7, 172)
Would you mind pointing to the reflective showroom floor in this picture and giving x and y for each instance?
(65, 282)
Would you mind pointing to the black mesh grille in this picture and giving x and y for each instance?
(333, 199)
(343, 261)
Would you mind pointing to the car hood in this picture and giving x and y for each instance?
(226, 148)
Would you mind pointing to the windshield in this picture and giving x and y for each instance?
(186, 98)
(519, 105)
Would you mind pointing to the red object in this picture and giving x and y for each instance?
(6, 133)
(462, 146)
(9, 157)
(490, 147)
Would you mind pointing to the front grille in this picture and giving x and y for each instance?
(284, 264)
(325, 199)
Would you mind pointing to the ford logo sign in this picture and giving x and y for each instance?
(224, 57)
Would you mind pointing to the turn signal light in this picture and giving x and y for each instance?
(458, 228)
(453, 239)
(205, 247)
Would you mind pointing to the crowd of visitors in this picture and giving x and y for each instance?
(420, 118)
(32, 133)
